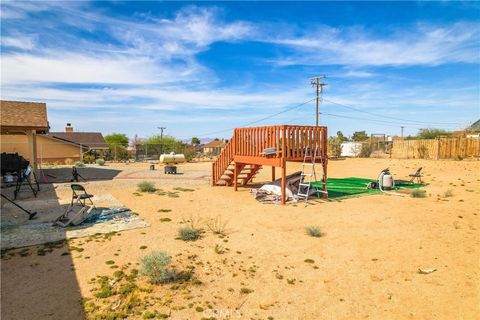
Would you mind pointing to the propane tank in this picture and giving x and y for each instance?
(172, 158)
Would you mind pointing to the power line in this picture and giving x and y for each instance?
(384, 122)
(390, 117)
(256, 121)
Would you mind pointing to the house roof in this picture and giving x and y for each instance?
(93, 140)
(475, 126)
(19, 115)
(85, 147)
(215, 144)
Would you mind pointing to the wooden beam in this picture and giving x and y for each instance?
(284, 183)
(276, 162)
(273, 173)
(32, 149)
(235, 177)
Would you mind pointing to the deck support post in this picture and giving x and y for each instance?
(32, 150)
(324, 182)
(235, 177)
(284, 182)
(273, 173)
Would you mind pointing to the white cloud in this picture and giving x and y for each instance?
(75, 68)
(422, 45)
(20, 42)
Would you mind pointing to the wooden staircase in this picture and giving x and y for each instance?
(223, 169)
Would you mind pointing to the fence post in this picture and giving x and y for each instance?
(115, 152)
(478, 147)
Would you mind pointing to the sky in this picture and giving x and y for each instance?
(204, 68)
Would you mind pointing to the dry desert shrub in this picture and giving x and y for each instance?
(314, 231)
(417, 193)
(146, 186)
(217, 225)
(155, 265)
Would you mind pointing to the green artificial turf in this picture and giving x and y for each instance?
(341, 188)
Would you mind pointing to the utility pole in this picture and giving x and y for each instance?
(315, 82)
(402, 130)
(161, 131)
(161, 138)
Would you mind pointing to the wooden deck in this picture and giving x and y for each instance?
(245, 153)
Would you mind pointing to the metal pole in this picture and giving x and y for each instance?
(161, 138)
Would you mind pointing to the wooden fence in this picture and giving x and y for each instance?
(443, 148)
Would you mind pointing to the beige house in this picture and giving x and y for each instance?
(23, 118)
(214, 147)
(49, 149)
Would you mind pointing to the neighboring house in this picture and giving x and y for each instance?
(49, 149)
(93, 141)
(27, 119)
(473, 131)
(214, 147)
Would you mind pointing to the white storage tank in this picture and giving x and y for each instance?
(172, 158)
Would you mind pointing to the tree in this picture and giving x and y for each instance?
(359, 136)
(427, 133)
(341, 137)
(117, 138)
(195, 141)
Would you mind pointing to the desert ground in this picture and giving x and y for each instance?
(365, 264)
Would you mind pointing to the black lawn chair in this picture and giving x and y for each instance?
(72, 217)
(80, 196)
(417, 175)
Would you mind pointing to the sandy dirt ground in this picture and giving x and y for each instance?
(364, 266)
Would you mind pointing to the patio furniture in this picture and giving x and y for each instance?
(79, 198)
(417, 175)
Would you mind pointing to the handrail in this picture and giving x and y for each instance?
(222, 162)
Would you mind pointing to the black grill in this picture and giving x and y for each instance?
(12, 162)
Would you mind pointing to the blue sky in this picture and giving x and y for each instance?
(202, 68)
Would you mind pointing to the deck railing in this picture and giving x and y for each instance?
(222, 162)
(290, 142)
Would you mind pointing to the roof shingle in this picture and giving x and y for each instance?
(19, 115)
(215, 144)
(93, 140)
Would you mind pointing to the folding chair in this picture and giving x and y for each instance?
(417, 175)
(79, 197)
